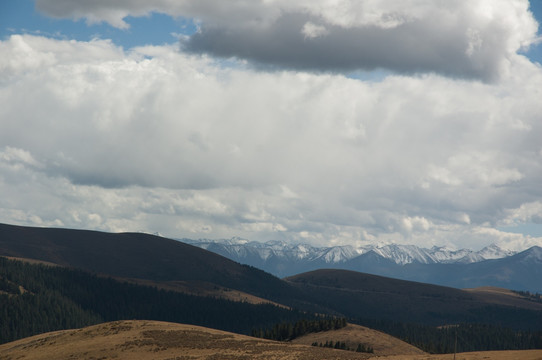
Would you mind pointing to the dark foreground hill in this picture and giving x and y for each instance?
(136, 255)
(37, 298)
(343, 293)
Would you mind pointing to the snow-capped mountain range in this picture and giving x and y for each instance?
(464, 268)
(238, 249)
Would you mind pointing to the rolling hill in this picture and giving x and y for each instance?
(138, 256)
(142, 340)
(161, 262)
(361, 295)
(490, 266)
(354, 335)
(37, 298)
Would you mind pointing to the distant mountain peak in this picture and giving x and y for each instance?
(302, 256)
(494, 251)
(533, 254)
(493, 265)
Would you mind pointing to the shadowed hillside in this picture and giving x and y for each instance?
(136, 255)
(359, 295)
(36, 298)
(521, 271)
(344, 293)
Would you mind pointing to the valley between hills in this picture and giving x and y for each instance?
(93, 295)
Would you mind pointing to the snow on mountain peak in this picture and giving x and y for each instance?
(493, 251)
(338, 254)
(239, 248)
(534, 254)
(277, 244)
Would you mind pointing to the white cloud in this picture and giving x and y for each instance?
(507, 240)
(156, 139)
(467, 39)
(474, 169)
(311, 30)
(18, 158)
(526, 213)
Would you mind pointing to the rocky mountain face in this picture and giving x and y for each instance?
(260, 254)
(464, 268)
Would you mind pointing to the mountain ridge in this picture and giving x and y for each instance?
(134, 255)
(400, 254)
(464, 268)
(143, 256)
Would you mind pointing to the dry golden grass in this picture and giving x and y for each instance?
(142, 340)
(145, 340)
(495, 295)
(352, 335)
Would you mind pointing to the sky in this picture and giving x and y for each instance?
(326, 122)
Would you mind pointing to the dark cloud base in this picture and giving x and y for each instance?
(405, 49)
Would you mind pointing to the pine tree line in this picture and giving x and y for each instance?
(536, 297)
(471, 337)
(341, 345)
(37, 298)
(57, 298)
(288, 331)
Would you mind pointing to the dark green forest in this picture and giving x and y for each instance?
(341, 345)
(37, 298)
(287, 331)
(291, 331)
(470, 337)
(435, 340)
(536, 297)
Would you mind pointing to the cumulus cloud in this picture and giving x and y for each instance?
(158, 139)
(465, 39)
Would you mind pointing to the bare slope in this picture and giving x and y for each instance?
(500, 296)
(353, 335)
(142, 340)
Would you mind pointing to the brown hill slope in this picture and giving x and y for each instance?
(142, 340)
(136, 256)
(146, 340)
(352, 335)
(197, 288)
(140, 256)
(500, 296)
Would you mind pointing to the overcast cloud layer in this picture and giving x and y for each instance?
(170, 139)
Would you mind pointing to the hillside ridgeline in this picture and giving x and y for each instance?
(146, 340)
